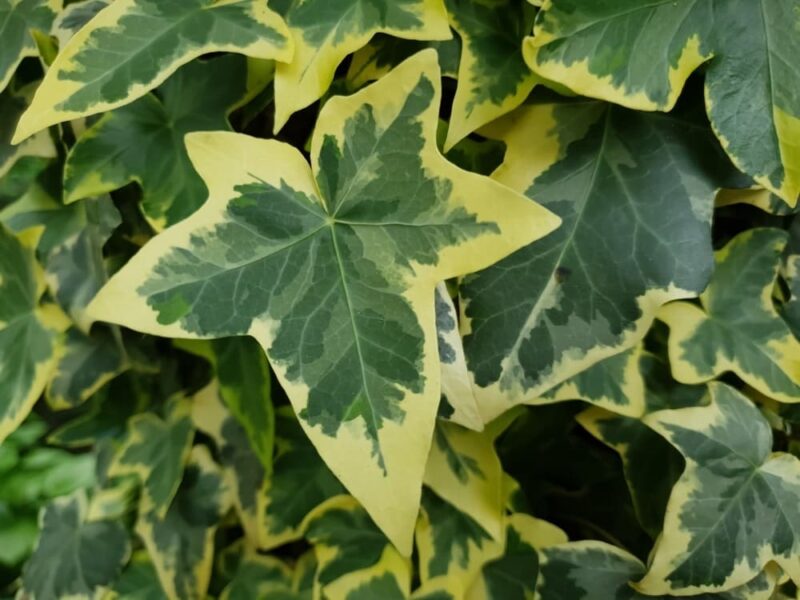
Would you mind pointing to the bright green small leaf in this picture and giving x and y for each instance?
(74, 557)
(334, 273)
(738, 328)
(325, 32)
(144, 141)
(18, 18)
(627, 186)
(640, 54)
(735, 507)
(30, 331)
(156, 450)
(111, 62)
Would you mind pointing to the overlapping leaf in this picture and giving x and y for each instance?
(133, 46)
(640, 55)
(628, 187)
(334, 272)
(738, 328)
(19, 18)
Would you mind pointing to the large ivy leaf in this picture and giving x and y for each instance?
(110, 62)
(74, 557)
(326, 31)
(598, 571)
(627, 186)
(156, 450)
(493, 78)
(19, 18)
(356, 560)
(735, 507)
(596, 49)
(352, 249)
(181, 542)
(143, 141)
(738, 329)
(30, 331)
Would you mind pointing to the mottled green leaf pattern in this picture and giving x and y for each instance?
(18, 18)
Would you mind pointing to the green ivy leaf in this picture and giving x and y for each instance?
(74, 557)
(139, 581)
(325, 32)
(30, 331)
(597, 49)
(738, 328)
(259, 576)
(110, 63)
(347, 320)
(735, 507)
(627, 185)
(143, 141)
(19, 18)
(39, 146)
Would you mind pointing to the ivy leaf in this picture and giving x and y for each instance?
(790, 269)
(139, 580)
(352, 262)
(597, 571)
(181, 542)
(738, 329)
(30, 331)
(458, 403)
(356, 561)
(156, 450)
(259, 576)
(440, 588)
(325, 32)
(40, 146)
(74, 557)
(143, 141)
(594, 48)
(298, 484)
(109, 63)
(627, 185)
(19, 19)
(734, 509)
(493, 78)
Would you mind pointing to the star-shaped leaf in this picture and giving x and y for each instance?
(640, 54)
(17, 19)
(110, 62)
(30, 331)
(333, 268)
(493, 78)
(143, 141)
(628, 186)
(325, 32)
(738, 329)
(735, 507)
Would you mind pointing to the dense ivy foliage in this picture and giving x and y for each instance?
(386, 299)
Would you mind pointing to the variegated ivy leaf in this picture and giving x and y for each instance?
(325, 32)
(440, 588)
(595, 49)
(758, 197)
(298, 484)
(627, 186)
(242, 468)
(384, 52)
(259, 576)
(598, 571)
(493, 78)
(738, 329)
(30, 330)
(458, 403)
(73, 18)
(110, 63)
(356, 560)
(651, 464)
(88, 362)
(143, 141)
(513, 575)
(181, 542)
(74, 558)
(156, 450)
(615, 384)
(735, 507)
(39, 147)
(18, 18)
(464, 469)
(790, 269)
(450, 543)
(352, 262)
(139, 580)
